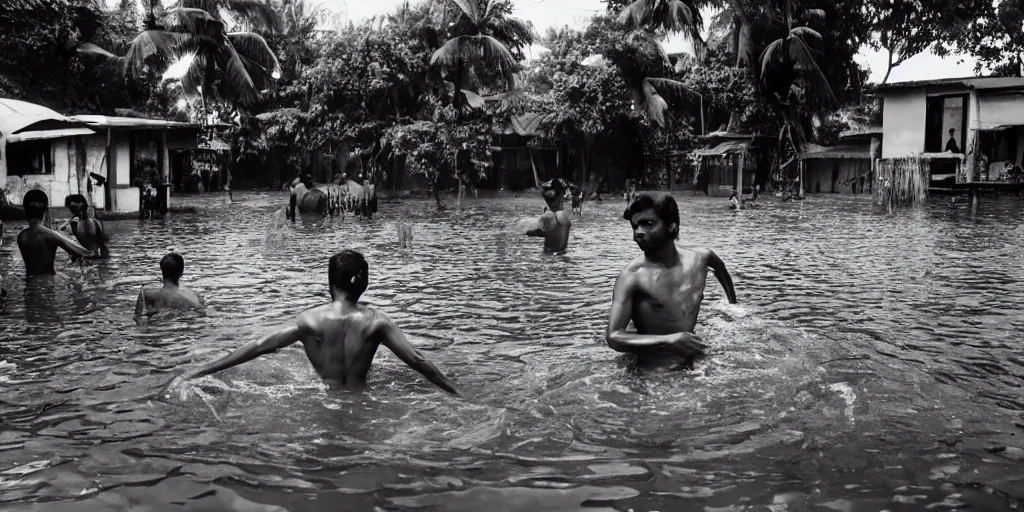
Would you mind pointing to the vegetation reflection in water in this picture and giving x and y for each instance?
(869, 365)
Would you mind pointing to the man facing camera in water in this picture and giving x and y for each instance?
(554, 224)
(340, 338)
(662, 290)
(154, 299)
(38, 244)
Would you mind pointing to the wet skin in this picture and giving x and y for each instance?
(38, 245)
(340, 340)
(661, 292)
(553, 225)
(154, 299)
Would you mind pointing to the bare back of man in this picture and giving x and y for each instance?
(38, 245)
(89, 233)
(341, 341)
(554, 227)
(340, 338)
(156, 299)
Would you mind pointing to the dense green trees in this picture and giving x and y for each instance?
(430, 82)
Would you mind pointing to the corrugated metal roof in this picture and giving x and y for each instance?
(726, 148)
(48, 134)
(974, 82)
(526, 124)
(131, 122)
(839, 151)
(19, 116)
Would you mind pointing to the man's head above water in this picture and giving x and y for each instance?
(553, 192)
(655, 220)
(76, 203)
(172, 266)
(36, 203)
(348, 273)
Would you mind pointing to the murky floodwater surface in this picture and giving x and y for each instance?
(873, 363)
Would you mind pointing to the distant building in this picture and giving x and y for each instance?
(64, 155)
(963, 131)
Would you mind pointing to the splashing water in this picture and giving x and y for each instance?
(858, 372)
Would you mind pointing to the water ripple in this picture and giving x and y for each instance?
(870, 365)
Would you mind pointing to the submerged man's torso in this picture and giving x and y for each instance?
(340, 344)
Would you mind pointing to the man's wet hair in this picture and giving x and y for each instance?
(307, 180)
(557, 185)
(36, 203)
(349, 272)
(75, 198)
(172, 266)
(664, 207)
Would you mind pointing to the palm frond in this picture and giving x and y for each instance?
(469, 8)
(802, 55)
(194, 21)
(150, 43)
(93, 50)
(255, 49)
(512, 30)
(816, 16)
(511, 99)
(258, 13)
(473, 99)
(236, 76)
(473, 49)
(648, 100)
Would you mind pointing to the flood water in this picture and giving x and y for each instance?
(873, 363)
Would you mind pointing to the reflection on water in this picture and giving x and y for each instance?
(871, 364)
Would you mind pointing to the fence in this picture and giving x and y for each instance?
(902, 182)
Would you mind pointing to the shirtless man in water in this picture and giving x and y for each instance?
(87, 229)
(38, 244)
(340, 338)
(153, 299)
(662, 290)
(554, 224)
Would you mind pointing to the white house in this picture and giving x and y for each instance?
(966, 130)
(63, 155)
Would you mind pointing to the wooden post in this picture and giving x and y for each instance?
(739, 180)
(800, 166)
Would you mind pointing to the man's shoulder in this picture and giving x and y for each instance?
(695, 251)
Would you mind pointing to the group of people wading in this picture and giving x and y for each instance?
(660, 293)
(344, 195)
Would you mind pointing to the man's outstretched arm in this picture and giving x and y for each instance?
(718, 266)
(543, 225)
(252, 350)
(394, 339)
(69, 245)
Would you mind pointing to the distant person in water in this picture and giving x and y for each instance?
(85, 227)
(170, 296)
(554, 224)
(340, 338)
(38, 243)
(661, 291)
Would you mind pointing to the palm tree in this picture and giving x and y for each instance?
(193, 38)
(790, 74)
(644, 62)
(483, 38)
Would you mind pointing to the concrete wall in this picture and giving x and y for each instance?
(995, 111)
(903, 121)
(837, 175)
(58, 184)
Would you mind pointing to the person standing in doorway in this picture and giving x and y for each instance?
(951, 144)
